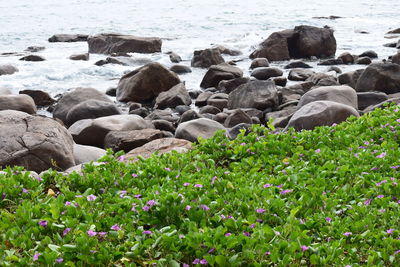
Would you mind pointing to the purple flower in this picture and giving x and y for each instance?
(318, 150)
(186, 184)
(66, 231)
(380, 196)
(39, 179)
(78, 196)
(122, 193)
(167, 169)
(121, 158)
(102, 234)
(367, 202)
(91, 233)
(390, 231)
(134, 175)
(304, 248)
(67, 203)
(185, 265)
(246, 233)
(396, 252)
(228, 234)
(212, 250)
(198, 185)
(115, 227)
(204, 207)
(328, 219)
(133, 207)
(260, 210)
(242, 144)
(91, 197)
(146, 208)
(213, 179)
(196, 261)
(347, 234)
(284, 192)
(59, 260)
(25, 191)
(151, 202)
(43, 223)
(36, 256)
(203, 262)
(188, 207)
(267, 185)
(147, 232)
(382, 155)
(253, 225)
(267, 253)
(138, 196)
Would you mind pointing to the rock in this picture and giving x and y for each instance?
(235, 131)
(391, 45)
(174, 57)
(7, 69)
(175, 96)
(79, 95)
(300, 74)
(369, 53)
(128, 140)
(340, 94)
(206, 58)
(35, 49)
(209, 109)
(237, 117)
(181, 109)
(254, 94)
(396, 58)
(164, 125)
(165, 114)
(227, 51)
(297, 65)
(366, 99)
(395, 31)
(192, 130)
(161, 146)
(34, 142)
(22, 103)
(195, 93)
(395, 101)
(34, 58)
(201, 100)
(91, 109)
(93, 131)
(146, 83)
(335, 69)
(124, 61)
(68, 38)
(264, 73)
(317, 77)
(331, 61)
(40, 98)
(320, 113)
(180, 69)
(328, 81)
(218, 73)
(220, 117)
(259, 62)
(363, 61)
(189, 115)
(84, 57)
(5, 91)
(108, 43)
(301, 42)
(280, 81)
(380, 77)
(111, 91)
(142, 112)
(227, 86)
(347, 58)
(350, 78)
(218, 103)
(84, 154)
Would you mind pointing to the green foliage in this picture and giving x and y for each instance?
(326, 197)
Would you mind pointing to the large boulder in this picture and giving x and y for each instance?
(236, 117)
(177, 95)
(381, 77)
(340, 94)
(146, 83)
(41, 98)
(350, 78)
(298, 74)
(193, 129)
(264, 73)
(206, 58)
(23, 103)
(320, 113)
(366, 99)
(93, 131)
(91, 109)
(84, 154)
(68, 38)
(301, 42)
(7, 69)
(108, 43)
(254, 94)
(34, 142)
(79, 95)
(218, 73)
(161, 146)
(128, 140)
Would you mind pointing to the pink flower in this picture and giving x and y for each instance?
(204, 207)
(213, 179)
(253, 225)
(328, 219)
(188, 207)
(138, 196)
(133, 207)
(43, 223)
(115, 227)
(228, 234)
(196, 261)
(304, 248)
(382, 155)
(146, 208)
(267, 253)
(185, 265)
(151, 202)
(267, 185)
(147, 232)
(167, 169)
(91, 197)
(59, 260)
(260, 210)
(67, 203)
(25, 191)
(367, 202)
(66, 231)
(91, 233)
(203, 262)
(284, 192)
(121, 158)
(246, 233)
(134, 175)
(380, 196)
(198, 185)
(390, 231)
(318, 150)
(102, 234)
(347, 233)
(36, 256)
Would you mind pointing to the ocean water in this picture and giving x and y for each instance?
(184, 25)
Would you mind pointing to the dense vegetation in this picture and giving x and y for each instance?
(324, 197)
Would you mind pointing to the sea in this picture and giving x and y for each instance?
(183, 25)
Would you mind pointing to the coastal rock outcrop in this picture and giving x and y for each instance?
(175, 96)
(206, 58)
(193, 129)
(218, 73)
(381, 77)
(22, 103)
(340, 94)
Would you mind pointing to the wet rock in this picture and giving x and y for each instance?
(350, 78)
(84, 154)
(227, 51)
(316, 78)
(175, 96)
(209, 109)
(7, 69)
(84, 57)
(180, 69)
(335, 69)
(40, 98)
(396, 58)
(300, 74)
(111, 91)
(34, 142)
(297, 65)
(218, 73)
(68, 38)
(146, 83)
(363, 61)
(108, 43)
(259, 62)
(220, 117)
(331, 61)
(227, 86)
(202, 98)
(189, 115)
(79, 95)
(192, 130)
(174, 57)
(22, 103)
(254, 94)
(340, 94)
(206, 58)
(391, 45)
(320, 113)
(164, 125)
(264, 73)
(237, 117)
(165, 114)
(124, 61)
(366, 99)
(347, 58)
(128, 140)
(142, 112)
(182, 109)
(395, 31)
(34, 58)
(235, 131)
(380, 77)
(35, 49)
(369, 53)
(218, 103)
(280, 81)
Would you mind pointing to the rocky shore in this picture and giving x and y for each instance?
(152, 110)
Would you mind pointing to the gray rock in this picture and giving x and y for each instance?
(220, 117)
(235, 131)
(335, 69)
(165, 114)
(218, 103)
(146, 83)
(237, 117)
(189, 115)
(206, 58)
(366, 99)
(7, 69)
(164, 125)
(209, 109)
(111, 91)
(142, 112)
(108, 43)
(180, 69)
(84, 57)
(192, 130)
(34, 58)
(369, 53)
(264, 73)
(177, 95)
(320, 113)
(396, 58)
(182, 109)
(174, 57)
(300, 74)
(340, 94)
(227, 51)
(380, 77)
(297, 65)
(128, 140)
(68, 38)
(280, 81)
(350, 78)
(259, 62)
(332, 61)
(22, 103)
(228, 86)
(218, 73)
(34, 142)
(201, 100)
(254, 94)
(40, 98)
(347, 58)
(363, 61)
(395, 31)
(84, 154)
(35, 49)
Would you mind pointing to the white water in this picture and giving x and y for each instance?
(185, 25)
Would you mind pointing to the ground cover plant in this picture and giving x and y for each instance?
(328, 197)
